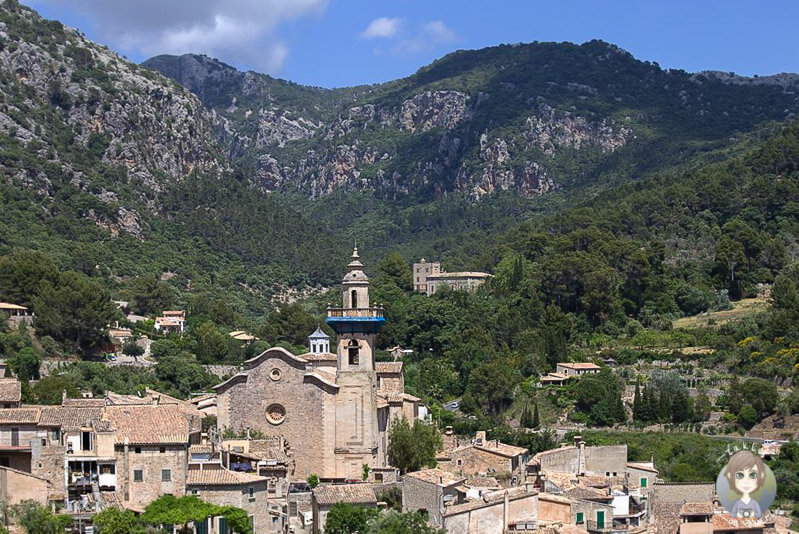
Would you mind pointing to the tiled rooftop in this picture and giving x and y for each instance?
(388, 367)
(697, 508)
(436, 476)
(69, 417)
(328, 494)
(19, 415)
(219, 476)
(149, 424)
(10, 390)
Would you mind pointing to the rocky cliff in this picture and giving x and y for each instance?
(528, 119)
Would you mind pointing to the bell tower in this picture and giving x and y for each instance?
(356, 323)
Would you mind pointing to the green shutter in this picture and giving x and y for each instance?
(643, 482)
(579, 517)
(600, 519)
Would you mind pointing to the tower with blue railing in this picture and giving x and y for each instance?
(356, 323)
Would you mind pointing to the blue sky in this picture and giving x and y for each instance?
(335, 43)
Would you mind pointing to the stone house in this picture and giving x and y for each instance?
(334, 411)
(578, 460)
(18, 428)
(484, 457)
(10, 393)
(151, 447)
(213, 483)
(171, 322)
(326, 495)
(430, 491)
(577, 368)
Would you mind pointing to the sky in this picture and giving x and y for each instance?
(338, 43)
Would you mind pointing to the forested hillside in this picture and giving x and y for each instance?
(116, 172)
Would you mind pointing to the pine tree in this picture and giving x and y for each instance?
(525, 420)
(536, 418)
(637, 403)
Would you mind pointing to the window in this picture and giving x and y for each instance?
(460, 462)
(138, 475)
(352, 352)
(378, 477)
(166, 475)
(56, 434)
(44, 442)
(643, 482)
(195, 492)
(251, 493)
(137, 450)
(86, 441)
(354, 298)
(162, 450)
(579, 518)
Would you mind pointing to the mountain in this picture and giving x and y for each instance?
(530, 118)
(115, 168)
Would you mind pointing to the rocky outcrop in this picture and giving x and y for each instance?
(550, 130)
(82, 103)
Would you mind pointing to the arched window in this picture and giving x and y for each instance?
(354, 299)
(352, 352)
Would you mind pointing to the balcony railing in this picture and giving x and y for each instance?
(355, 312)
(593, 526)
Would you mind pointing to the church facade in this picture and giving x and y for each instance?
(334, 410)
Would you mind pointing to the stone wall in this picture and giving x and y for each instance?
(564, 460)
(606, 459)
(420, 495)
(16, 486)
(48, 463)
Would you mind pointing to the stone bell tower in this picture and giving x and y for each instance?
(356, 324)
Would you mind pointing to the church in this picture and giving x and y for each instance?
(335, 410)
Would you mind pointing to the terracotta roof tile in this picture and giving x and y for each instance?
(328, 494)
(10, 390)
(697, 508)
(219, 476)
(388, 367)
(578, 365)
(503, 449)
(84, 403)
(723, 523)
(19, 415)
(149, 424)
(436, 476)
(323, 357)
(69, 417)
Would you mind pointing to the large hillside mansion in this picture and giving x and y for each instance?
(334, 410)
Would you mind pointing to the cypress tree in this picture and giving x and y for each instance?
(536, 418)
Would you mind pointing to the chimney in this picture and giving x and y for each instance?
(63, 395)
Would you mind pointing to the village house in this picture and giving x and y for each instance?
(326, 495)
(335, 411)
(171, 322)
(17, 486)
(16, 314)
(577, 368)
(429, 491)
(486, 457)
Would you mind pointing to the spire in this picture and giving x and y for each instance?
(356, 260)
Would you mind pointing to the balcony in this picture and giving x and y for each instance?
(355, 320)
(594, 526)
(370, 313)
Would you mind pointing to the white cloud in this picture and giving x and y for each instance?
(242, 32)
(429, 36)
(382, 28)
